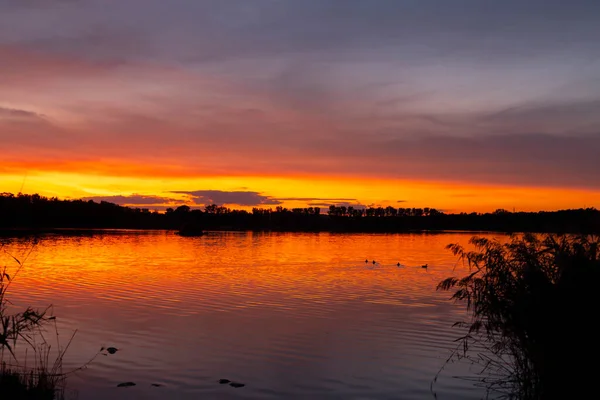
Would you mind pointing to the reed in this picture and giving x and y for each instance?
(22, 340)
(531, 304)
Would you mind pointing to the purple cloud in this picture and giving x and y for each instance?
(18, 114)
(338, 204)
(134, 200)
(241, 198)
(312, 199)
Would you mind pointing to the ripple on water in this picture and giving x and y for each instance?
(294, 315)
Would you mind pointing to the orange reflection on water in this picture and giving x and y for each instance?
(162, 267)
(253, 305)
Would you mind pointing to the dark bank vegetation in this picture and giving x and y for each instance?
(533, 304)
(38, 212)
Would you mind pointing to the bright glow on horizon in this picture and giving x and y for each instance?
(447, 196)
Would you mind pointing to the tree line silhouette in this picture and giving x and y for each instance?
(32, 211)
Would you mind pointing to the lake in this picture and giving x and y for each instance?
(291, 315)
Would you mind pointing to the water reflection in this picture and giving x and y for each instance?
(295, 315)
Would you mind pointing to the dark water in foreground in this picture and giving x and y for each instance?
(298, 316)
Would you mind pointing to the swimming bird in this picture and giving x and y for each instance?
(398, 264)
(424, 266)
(366, 261)
(373, 261)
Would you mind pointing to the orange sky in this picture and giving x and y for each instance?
(323, 190)
(416, 114)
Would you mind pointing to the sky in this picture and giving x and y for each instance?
(461, 105)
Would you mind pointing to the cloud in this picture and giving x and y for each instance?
(550, 117)
(240, 198)
(393, 90)
(30, 70)
(511, 159)
(134, 200)
(33, 3)
(312, 199)
(183, 30)
(338, 204)
(250, 198)
(522, 159)
(204, 197)
(18, 114)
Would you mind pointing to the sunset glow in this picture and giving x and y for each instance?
(299, 198)
(270, 103)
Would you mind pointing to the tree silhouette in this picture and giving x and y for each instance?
(38, 212)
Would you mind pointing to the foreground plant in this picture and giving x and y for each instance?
(533, 305)
(42, 380)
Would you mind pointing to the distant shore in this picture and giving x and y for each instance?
(34, 214)
(33, 232)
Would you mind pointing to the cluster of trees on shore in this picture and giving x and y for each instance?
(38, 212)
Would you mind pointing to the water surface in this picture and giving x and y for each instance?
(290, 315)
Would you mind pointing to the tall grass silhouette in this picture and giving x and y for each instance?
(532, 303)
(31, 354)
